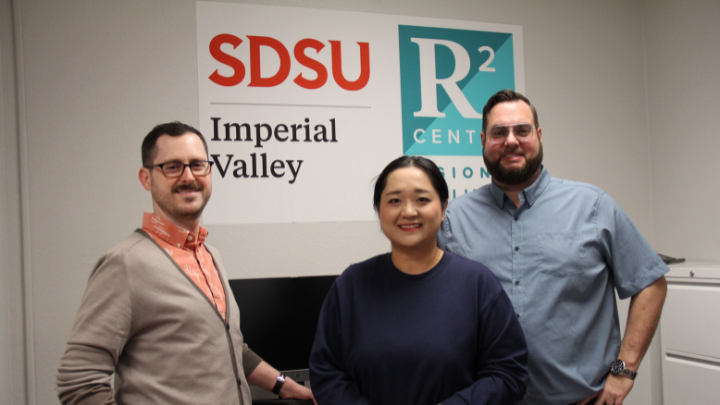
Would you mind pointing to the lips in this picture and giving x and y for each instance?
(512, 156)
(511, 152)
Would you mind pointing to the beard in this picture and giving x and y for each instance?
(174, 205)
(513, 177)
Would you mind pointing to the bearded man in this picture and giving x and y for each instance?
(560, 249)
(158, 311)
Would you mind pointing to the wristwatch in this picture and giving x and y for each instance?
(281, 381)
(618, 368)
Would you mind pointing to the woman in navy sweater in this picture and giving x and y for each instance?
(417, 326)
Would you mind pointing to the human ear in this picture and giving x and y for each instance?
(144, 176)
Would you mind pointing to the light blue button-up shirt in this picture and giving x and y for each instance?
(560, 256)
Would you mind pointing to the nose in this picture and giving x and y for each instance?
(409, 209)
(187, 175)
(511, 139)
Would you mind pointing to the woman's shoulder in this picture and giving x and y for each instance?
(469, 268)
(463, 262)
(366, 267)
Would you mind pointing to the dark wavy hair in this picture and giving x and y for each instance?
(426, 165)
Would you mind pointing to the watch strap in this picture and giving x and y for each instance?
(628, 373)
(279, 382)
(618, 368)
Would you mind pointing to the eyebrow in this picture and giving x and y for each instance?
(417, 190)
(510, 125)
(178, 160)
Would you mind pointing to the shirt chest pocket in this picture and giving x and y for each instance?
(561, 253)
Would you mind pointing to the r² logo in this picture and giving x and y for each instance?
(446, 77)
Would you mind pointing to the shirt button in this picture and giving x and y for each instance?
(517, 248)
(518, 316)
(517, 282)
(189, 237)
(178, 245)
(516, 218)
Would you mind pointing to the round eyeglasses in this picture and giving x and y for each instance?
(176, 169)
(522, 132)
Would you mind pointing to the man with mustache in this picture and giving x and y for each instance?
(158, 311)
(560, 249)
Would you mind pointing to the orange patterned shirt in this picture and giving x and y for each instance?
(190, 254)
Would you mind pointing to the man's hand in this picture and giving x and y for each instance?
(643, 318)
(614, 393)
(293, 390)
(265, 376)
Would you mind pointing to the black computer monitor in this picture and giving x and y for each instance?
(278, 318)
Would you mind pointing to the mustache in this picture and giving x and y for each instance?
(194, 186)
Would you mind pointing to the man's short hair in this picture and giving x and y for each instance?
(175, 128)
(504, 96)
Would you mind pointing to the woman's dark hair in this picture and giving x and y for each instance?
(426, 165)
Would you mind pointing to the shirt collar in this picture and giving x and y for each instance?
(172, 233)
(530, 194)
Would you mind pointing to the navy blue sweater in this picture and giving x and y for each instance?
(448, 336)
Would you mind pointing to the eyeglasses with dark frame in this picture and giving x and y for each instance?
(176, 169)
(523, 132)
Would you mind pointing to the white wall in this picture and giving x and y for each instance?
(99, 75)
(683, 75)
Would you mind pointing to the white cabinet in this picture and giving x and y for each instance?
(690, 334)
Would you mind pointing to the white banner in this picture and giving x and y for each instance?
(302, 108)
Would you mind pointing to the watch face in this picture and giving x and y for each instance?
(617, 367)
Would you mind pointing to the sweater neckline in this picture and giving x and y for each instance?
(430, 274)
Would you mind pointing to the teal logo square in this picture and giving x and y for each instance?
(446, 77)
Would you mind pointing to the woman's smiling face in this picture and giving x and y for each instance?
(410, 210)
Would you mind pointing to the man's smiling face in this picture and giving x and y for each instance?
(512, 161)
(179, 199)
